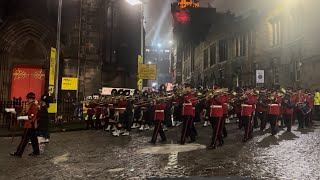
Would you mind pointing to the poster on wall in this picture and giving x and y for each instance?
(259, 76)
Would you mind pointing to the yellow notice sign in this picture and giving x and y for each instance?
(52, 108)
(52, 66)
(69, 83)
(148, 71)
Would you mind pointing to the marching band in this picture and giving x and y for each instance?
(121, 112)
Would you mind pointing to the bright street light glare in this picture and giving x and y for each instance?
(149, 62)
(170, 42)
(159, 45)
(134, 2)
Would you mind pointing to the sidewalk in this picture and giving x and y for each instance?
(70, 126)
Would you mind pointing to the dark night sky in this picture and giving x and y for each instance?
(159, 21)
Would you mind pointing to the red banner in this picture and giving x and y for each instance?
(27, 79)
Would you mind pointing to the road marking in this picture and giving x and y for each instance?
(170, 148)
(172, 161)
(116, 170)
(60, 159)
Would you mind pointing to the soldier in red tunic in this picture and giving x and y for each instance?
(91, 107)
(301, 103)
(216, 115)
(310, 104)
(30, 126)
(262, 107)
(288, 105)
(159, 117)
(247, 110)
(274, 110)
(177, 102)
(97, 113)
(121, 115)
(225, 106)
(188, 113)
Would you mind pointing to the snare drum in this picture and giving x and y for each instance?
(274, 109)
(216, 111)
(304, 108)
(246, 110)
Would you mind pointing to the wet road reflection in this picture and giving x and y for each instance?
(97, 155)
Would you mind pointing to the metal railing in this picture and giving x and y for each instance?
(68, 111)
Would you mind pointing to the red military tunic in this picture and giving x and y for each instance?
(216, 107)
(289, 110)
(32, 114)
(122, 106)
(91, 108)
(247, 107)
(188, 106)
(159, 111)
(274, 107)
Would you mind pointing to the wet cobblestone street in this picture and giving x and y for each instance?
(98, 155)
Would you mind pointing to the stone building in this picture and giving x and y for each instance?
(190, 25)
(100, 41)
(161, 57)
(277, 37)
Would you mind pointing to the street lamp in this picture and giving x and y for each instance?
(56, 88)
(136, 2)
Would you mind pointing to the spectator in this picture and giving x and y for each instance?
(43, 118)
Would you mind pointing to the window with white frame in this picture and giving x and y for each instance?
(276, 77)
(241, 45)
(297, 70)
(276, 31)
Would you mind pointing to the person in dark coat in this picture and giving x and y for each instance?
(43, 118)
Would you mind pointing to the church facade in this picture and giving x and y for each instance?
(100, 42)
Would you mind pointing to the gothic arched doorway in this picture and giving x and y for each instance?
(24, 57)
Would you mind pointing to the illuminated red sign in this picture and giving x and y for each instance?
(182, 16)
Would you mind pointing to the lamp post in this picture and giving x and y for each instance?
(133, 3)
(56, 89)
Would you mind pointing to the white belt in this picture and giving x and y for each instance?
(274, 105)
(246, 105)
(187, 104)
(216, 106)
(120, 108)
(159, 111)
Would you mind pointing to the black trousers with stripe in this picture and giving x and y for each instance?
(158, 129)
(188, 129)
(28, 134)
